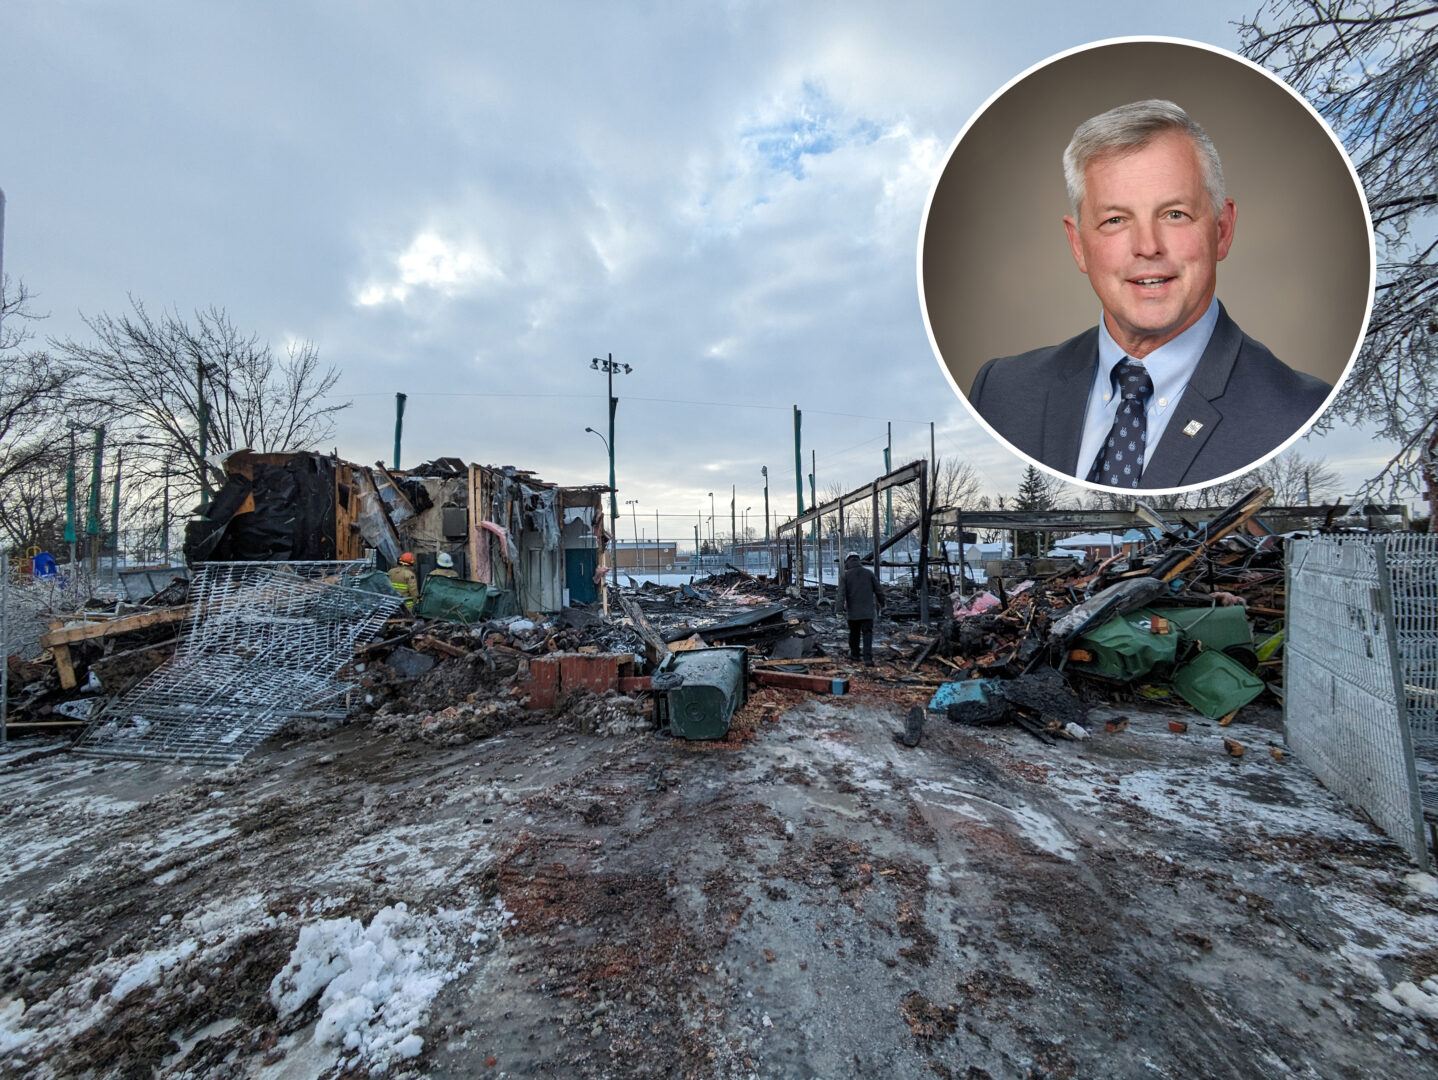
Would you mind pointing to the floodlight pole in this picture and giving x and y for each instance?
(609, 366)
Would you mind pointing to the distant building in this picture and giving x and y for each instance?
(646, 556)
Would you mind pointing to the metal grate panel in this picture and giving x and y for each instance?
(1343, 708)
(1413, 568)
(265, 643)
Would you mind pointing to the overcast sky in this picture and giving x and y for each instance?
(467, 205)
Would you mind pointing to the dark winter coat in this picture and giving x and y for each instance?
(860, 596)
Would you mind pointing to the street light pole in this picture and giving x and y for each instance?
(765, 470)
(609, 367)
(613, 545)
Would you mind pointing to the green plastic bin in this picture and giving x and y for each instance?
(459, 601)
(1216, 684)
(715, 687)
(1125, 651)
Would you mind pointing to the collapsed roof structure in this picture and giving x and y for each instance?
(539, 543)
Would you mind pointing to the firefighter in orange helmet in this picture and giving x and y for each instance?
(403, 580)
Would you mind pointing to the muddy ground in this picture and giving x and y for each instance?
(810, 900)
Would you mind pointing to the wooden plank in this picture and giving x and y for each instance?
(654, 646)
(63, 665)
(123, 625)
(424, 641)
(792, 680)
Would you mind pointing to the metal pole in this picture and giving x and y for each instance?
(876, 534)
(658, 550)
(799, 494)
(92, 523)
(115, 516)
(165, 515)
(933, 471)
(399, 400)
(70, 500)
(888, 492)
(733, 530)
(814, 501)
(204, 421)
(765, 470)
(613, 495)
(5, 641)
(924, 541)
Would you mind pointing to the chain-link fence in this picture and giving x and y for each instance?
(1345, 700)
(33, 602)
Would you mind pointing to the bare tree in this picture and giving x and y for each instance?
(157, 376)
(33, 413)
(857, 525)
(953, 482)
(1296, 480)
(1370, 67)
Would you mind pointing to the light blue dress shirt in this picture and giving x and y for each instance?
(1169, 366)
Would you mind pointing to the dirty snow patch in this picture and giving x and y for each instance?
(12, 1035)
(1422, 884)
(375, 983)
(1042, 831)
(151, 967)
(1409, 1000)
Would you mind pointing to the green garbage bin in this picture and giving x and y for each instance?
(715, 686)
(459, 601)
(1124, 650)
(1215, 684)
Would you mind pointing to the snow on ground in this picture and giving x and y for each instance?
(356, 903)
(375, 983)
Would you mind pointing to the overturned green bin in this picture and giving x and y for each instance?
(698, 691)
(459, 601)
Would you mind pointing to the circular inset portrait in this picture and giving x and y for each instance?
(1146, 264)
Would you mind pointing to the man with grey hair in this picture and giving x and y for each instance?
(1166, 391)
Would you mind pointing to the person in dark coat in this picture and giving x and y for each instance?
(860, 601)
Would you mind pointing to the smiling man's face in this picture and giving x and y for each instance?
(1149, 242)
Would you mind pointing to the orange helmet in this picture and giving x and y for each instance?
(407, 558)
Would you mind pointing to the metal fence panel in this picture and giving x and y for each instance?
(1413, 569)
(265, 643)
(1343, 707)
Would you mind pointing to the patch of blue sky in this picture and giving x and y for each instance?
(814, 128)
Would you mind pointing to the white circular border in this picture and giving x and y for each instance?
(1149, 39)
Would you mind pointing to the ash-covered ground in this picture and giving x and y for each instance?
(487, 895)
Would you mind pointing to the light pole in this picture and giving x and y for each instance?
(765, 470)
(609, 367)
(713, 540)
(633, 520)
(613, 511)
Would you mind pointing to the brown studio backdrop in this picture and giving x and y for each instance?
(997, 273)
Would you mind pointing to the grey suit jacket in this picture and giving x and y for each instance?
(1246, 399)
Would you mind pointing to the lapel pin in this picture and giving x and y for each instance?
(1192, 428)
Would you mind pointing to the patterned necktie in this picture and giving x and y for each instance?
(1120, 459)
